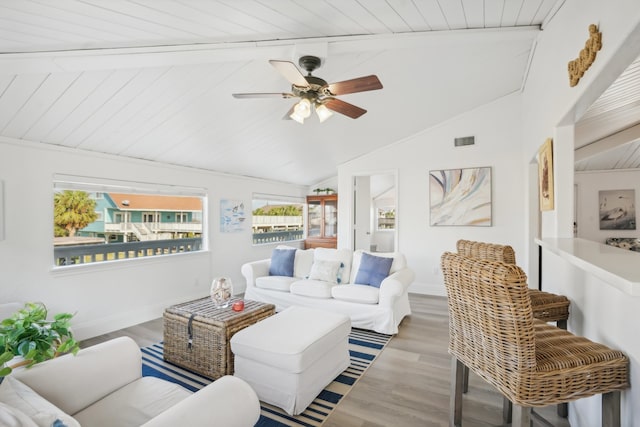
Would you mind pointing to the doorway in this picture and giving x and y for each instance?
(375, 226)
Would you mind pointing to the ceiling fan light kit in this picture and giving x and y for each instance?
(301, 110)
(316, 93)
(323, 112)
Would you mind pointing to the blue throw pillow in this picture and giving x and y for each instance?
(282, 262)
(373, 270)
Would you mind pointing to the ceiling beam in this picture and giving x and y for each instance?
(608, 143)
(162, 56)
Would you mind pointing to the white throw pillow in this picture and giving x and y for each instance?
(327, 271)
(342, 255)
(20, 396)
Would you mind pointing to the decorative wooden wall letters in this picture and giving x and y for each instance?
(578, 66)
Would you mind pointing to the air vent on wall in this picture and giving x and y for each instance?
(465, 140)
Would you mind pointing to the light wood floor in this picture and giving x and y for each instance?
(408, 385)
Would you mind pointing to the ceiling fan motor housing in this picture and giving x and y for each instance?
(314, 90)
(309, 63)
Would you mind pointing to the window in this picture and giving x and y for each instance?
(97, 220)
(151, 217)
(277, 219)
(386, 218)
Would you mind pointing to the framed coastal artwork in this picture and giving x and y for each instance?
(617, 209)
(460, 197)
(545, 175)
(232, 216)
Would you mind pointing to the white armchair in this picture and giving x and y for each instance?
(103, 386)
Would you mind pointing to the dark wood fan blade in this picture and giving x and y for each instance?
(263, 95)
(361, 84)
(290, 72)
(345, 108)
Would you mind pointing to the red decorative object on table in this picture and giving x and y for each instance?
(238, 305)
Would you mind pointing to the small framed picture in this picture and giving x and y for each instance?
(545, 175)
(617, 209)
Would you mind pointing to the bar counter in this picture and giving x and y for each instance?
(618, 267)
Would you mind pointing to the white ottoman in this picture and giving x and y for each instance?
(290, 357)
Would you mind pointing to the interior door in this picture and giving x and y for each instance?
(362, 212)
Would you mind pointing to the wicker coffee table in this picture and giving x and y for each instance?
(196, 334)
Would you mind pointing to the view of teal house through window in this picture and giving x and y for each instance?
(96, 226)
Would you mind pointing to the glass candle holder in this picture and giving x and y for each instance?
(221, 291)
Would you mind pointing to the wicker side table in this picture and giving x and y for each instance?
(196, 334)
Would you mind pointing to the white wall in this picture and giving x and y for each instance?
(588, 186)
(496, 128)
(550, 108)
(111, 297)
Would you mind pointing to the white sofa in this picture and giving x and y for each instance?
(103, 386)
(378, 309)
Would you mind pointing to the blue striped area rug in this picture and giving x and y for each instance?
(364, 347)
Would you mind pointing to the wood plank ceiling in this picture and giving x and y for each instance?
(152, 79)
(608, 133)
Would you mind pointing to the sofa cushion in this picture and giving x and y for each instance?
(343, 255)
(276, 283)
(282, 261)
(302, 263)
(399, 261)
(312, 288)
(363, 294)
(372, 270)
(21, 397)
(326, 271)
(12, 417)
(133, 404)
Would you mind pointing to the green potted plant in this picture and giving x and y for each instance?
(30, 336)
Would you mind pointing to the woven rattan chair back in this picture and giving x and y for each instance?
(490, 320)
(488, 251)
(546, 306)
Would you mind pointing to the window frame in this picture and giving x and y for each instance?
(100, 186)
(277, 199)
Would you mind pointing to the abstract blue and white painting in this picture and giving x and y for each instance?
(232, 217)
(460, 197)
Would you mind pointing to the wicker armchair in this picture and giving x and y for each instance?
(492, 331)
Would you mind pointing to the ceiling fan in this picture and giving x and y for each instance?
(316, 93)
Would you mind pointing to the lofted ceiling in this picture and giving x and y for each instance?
(608, 134)
(152, 79)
